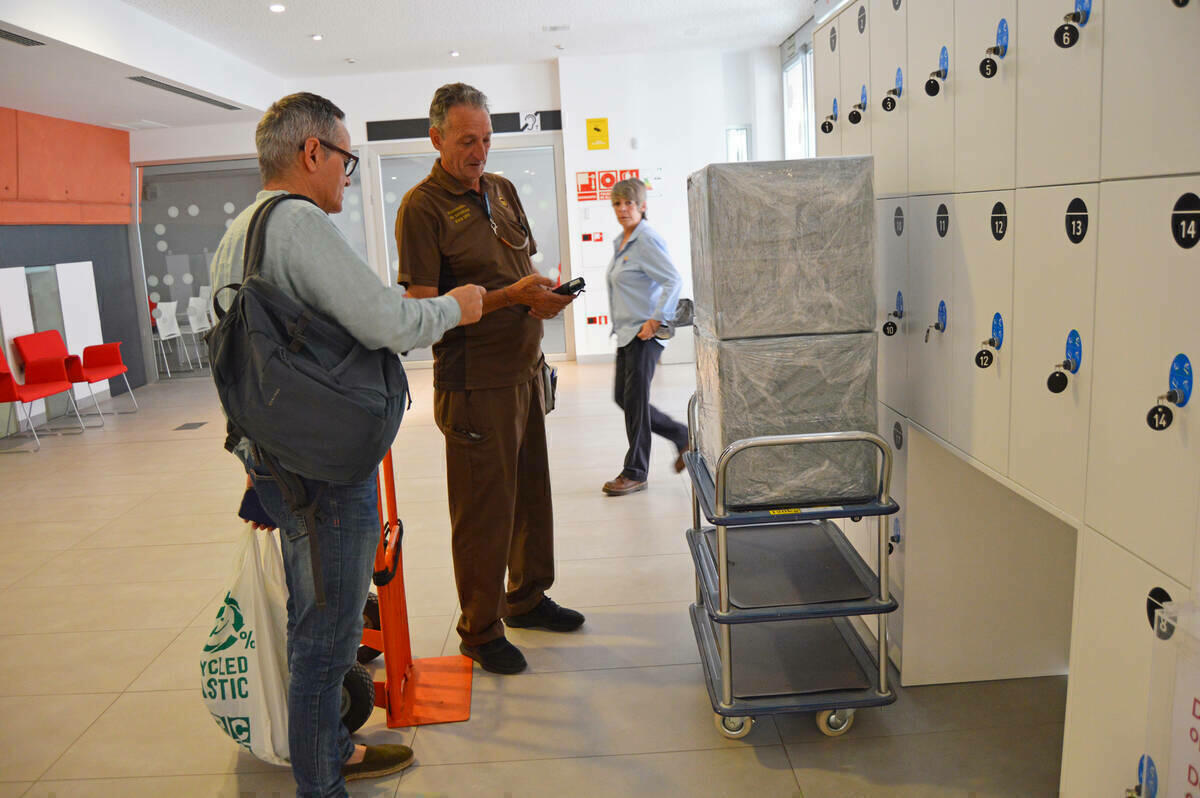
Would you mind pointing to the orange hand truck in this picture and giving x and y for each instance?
(414, 692)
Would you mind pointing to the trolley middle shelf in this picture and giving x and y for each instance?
(786, 571)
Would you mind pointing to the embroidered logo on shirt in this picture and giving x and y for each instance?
(459, 213)
(502, 201)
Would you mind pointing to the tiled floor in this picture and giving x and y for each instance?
(116, 545)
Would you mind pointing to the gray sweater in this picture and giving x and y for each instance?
(309, 258)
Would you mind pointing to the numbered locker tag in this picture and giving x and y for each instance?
(942, 220)
(890, 328)
(1077, 220)
(1185, 221)
(898, 221)
(999, 221)
(986, 356)
(862, 19)
(889, 100)
(1161, 416)
(988, 66)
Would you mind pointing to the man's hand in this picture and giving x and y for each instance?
(534, 291)
(648, 329)
(257, 526)
(470, 302)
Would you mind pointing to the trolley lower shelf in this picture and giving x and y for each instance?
(791, 666)
(780, 571)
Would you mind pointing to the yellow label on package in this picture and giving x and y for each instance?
(792, 510)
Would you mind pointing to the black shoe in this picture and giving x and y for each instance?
(380, 760)
(496, 656)
(547, 615)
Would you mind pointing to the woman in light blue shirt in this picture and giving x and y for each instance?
(643, 290)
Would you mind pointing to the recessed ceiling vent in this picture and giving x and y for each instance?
(17, 38)
(158, 84)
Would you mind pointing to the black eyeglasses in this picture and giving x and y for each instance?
(351, 158)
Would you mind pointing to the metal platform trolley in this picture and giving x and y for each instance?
(775, 589)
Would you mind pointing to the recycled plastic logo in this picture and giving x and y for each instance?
(236, 727)
(228, 627)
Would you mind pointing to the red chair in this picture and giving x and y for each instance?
(99, 363)
(45, 377)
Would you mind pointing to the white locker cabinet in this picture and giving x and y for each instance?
(1054, 279)
(855, 61)
(1058, 92)
(893, 320)
(888, 27)
(1151, 115)
(1109, 685)
(893, 428)
(931, 118)
(827, 77)
(931, 235)
(1143, 484)
(985, 99)
(982, 357)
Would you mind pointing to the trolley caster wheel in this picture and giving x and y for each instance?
(733, 728)
(358, 697)
(370, 621)
(835, 722)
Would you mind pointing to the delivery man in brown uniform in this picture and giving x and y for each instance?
(459, 226)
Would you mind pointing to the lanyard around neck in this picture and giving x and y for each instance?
(487, 209)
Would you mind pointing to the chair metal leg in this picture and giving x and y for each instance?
(96, 402)
(78, 417)
(163, 349)
(129, 391)
(37, 443)
(75, 407)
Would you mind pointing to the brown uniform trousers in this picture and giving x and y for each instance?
(498, 481)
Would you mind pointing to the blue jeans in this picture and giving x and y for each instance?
(323, 642)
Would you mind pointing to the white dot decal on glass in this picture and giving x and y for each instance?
(543, 204)
(172, 211)
(193, 210)
(228, 207)
(161, 246)
(188, 279)
(537, 257)
(527, 190)
(169, 280)
(228, 222)
(389, 198)
(355, 216)
(352, 199)
(159, 229)
(154, 297)
(152, 281)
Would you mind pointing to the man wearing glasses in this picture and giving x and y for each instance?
(462, 225)
(303, 148)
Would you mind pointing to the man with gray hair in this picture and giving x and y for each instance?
(464, 225)
(304, 149)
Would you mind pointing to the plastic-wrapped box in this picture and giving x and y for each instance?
(791, 384)
(783, 247)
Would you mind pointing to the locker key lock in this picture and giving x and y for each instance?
(1161, 416)
(856, 112)
(1057, 383)
(933, 86)
(937, 325)
(985, 357)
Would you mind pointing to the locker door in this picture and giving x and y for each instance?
(1054, 279)
(931, 233)
(855, 84)
(827, 78)
(982, 370)
(892, 301)
(889, 128)
(1058, 92)
(893, 428)
(1109, 686)
(985, 105)
(1142, 482)
(931, 117)
(1151, 116)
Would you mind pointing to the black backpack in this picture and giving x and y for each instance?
(314, 401)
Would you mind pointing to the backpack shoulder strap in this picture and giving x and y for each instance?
(256, 235)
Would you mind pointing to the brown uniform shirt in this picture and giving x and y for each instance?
(445, 240)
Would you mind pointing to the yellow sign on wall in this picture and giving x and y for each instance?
(597, 133)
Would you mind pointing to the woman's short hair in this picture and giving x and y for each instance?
(633, 190)
(287, 124)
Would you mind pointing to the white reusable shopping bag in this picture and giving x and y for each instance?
(244, 674)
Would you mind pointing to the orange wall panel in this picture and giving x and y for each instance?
(67, 161)
(97, 213)
(40, 213)
(8, 154)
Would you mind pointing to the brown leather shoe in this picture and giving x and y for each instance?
(380, 760)
(679, 464)
(622, 486)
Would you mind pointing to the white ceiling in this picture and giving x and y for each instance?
(406, 35)
(71, 83)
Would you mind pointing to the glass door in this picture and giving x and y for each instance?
(532, 169)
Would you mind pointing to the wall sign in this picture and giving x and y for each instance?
(586, 186)
(999, 221)
(591, 186)
(943, 220)
(1185, 221)
(1077, 220)
(597, 133)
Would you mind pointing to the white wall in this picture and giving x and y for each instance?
(667, 115)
